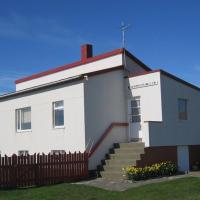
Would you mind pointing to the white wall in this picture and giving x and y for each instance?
(150, 99)
(43, 137)
(104, 104)
(132, 66)
(116, 135)
(173, 131)
(106, 63)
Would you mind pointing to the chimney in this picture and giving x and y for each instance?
(86, 52)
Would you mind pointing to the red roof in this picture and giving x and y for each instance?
(82, 62)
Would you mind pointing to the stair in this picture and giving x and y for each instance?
(121, 155)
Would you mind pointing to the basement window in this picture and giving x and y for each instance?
(58, 114)
(182, 109)
(57, 152)
(23, 153)
(23, 119)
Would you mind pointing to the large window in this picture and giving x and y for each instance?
(58, 114)
(23, 119)
(182, 109)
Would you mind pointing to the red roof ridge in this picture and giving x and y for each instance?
(71, 65)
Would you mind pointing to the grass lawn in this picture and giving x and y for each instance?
(184, 188)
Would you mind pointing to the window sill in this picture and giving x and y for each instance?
(24, 131)
(59, 127)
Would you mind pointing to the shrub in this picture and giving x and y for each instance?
(155, 170)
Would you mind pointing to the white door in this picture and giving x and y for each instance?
(134, 112)
(183, 158)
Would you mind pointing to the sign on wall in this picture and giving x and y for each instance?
(142, 85)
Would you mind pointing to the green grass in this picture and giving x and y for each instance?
(184, 188)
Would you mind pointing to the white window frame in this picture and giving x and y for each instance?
(20, 119)
(58, 108)
(137, 107)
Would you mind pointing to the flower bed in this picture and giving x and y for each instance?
(155, 170)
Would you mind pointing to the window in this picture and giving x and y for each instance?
(58, 114)
(57, 152)
(182, 109)
(23, 119)
(23, 153)
(135, 110)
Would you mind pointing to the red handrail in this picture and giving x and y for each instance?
(104, 135)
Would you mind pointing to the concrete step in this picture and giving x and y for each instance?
(133, 156)
(113, 167)
(138, 150)
(131, 144)
(122, 162)
(113, 175)
(122, 155)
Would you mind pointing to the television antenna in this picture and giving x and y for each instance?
(123, 29)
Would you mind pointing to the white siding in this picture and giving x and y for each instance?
(43, 137)
(150, 99)
(132, 66)
(173, 131)
(104, 104)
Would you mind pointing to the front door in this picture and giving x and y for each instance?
(134, 112)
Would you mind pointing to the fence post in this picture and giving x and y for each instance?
(36, 167)
(13, 169)
(86, 163)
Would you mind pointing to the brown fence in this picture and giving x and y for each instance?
(37, 170)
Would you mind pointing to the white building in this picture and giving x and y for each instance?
(70, 107)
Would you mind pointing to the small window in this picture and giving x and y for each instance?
(58, 114)
(57, 152)
(23, 153)
(182, 109)
(23, 119)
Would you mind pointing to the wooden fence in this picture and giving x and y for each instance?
(38, 170)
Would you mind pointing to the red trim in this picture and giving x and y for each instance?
(83, 61)
(69, 66)
(107, 131)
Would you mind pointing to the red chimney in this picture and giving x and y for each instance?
(86, 52)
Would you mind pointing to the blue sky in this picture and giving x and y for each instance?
(37, 35)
